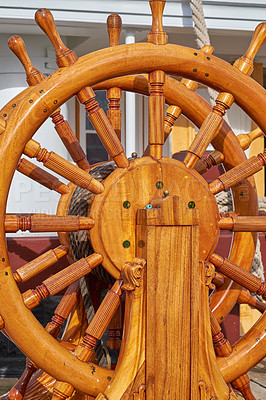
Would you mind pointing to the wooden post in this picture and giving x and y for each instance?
(177, 364)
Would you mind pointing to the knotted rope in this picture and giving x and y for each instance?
(202, 36)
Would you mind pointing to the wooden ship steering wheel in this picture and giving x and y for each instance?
(153, 222)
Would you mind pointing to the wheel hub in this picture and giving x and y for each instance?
(145, 181)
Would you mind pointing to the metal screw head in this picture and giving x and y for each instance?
(191, 204)
(166, 192)
(126, 244)
(134, 154)
(126, 204)
(159, 185)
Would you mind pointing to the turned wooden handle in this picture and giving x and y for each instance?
(45, 20)
(47, 223)
(70, 141)
(245, 63)
(237, 174)
(238, 274)
(157, 34)
(41, 176)
(245, 139)
(100, 322)
(61, 280)
(70, 274)
(105, 312)
(17, 45)
(243, 223)
(114, 25)
(246, 298)
(68, 301)
(39, 264)
(63, 167)
(207, 132)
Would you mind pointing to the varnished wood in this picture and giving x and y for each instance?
(61, 313)
(39, 264)
(33, 77)
(61, 280)
(41, 176)
(156, 113)
(98, 118)
(114, 25)
(61, 166)
(157, 34)
(95, 330)
(242, 384)
(237, 223)
(47, 223)
(238, 173)
(214, 158)
(224, 101)
(245, 139)
(244, 278)
(246, 298)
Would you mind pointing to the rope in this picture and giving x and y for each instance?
(202, 36)
(79, 205)
(224, 199)
(81, 247)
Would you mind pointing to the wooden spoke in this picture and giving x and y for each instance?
(17, 45)
(242, 384)
(114, 331)
(218, 279)
(224, 101)
(173, 112)
(59, 281)
(103, 127)
(156, 113)
(238, 173)
(41, 176)
(61, 313)
(47, 223)
(33, 76)
(245, 139)
(156, 35)
(246, 298)
(237, 223)
(62, 167)
(95, 330)
(221, 345)
(239, 275)
(206, 133)
(114, 24)
(63, 309)
(39, 264)
(69, 139)
(98, 118)
(213, 159)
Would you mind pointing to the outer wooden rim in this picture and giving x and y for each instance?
(26, 119)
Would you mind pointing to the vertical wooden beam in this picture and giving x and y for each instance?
(168, 239)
